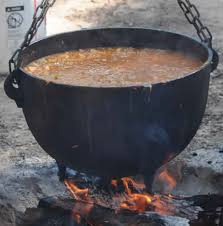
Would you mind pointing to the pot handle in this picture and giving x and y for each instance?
(13, 88)
(215, 60)
(193, 16)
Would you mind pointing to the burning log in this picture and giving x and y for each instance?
(125, 203)
(58, 211)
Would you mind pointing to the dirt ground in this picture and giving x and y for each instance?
(27, 173)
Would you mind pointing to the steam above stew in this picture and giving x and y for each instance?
(113, 67)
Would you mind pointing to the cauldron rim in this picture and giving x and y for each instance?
(201, 68)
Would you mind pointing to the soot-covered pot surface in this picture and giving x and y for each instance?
(115, 131)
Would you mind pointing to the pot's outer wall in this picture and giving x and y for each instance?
(115, 131)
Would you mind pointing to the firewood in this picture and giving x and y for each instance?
(59, 211)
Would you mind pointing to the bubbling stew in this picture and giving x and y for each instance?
(113, 67)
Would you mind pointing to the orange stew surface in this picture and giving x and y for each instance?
(113, 67)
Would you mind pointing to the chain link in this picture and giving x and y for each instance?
(193, 16)
(38, 18)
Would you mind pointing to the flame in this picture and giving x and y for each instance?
(141, 201)
(78, 194)
(137, 185)
(168, 180)
(77, 217)
(133, 199)
(114, 183)
(137, 203)
(80, 211)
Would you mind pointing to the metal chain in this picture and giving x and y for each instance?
(193, 16)
(38, 18)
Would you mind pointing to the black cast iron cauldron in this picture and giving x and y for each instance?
(114, 131)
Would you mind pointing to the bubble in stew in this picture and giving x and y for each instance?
(113, 67)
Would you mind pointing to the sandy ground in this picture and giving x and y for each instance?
(27, 173)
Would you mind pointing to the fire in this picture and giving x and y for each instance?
(136, 185)
(114, 183)
(82, 195)
(78, 194)
(134, 198)
(168, 180)
(135, 201)
(141, 201)
(77, 217)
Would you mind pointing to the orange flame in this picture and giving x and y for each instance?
(114, 183)
(168, 180)
(135, 201)
(137, 185)
(80, 211)
(79, 194)
(77, 217)
(142, 201)
(134, 198)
